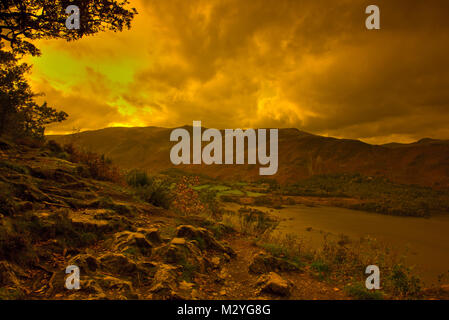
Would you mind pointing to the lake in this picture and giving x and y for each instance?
(424, 240)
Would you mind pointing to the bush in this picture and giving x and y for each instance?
(402, 282)
(186, 200)
(136, 179)
(100, 167)
(156, 192)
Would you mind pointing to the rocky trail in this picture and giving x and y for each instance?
(54, 214)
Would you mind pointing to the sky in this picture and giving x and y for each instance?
(310, 65)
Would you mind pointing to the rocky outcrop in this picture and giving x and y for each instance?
(151, 234)
(263, 263)
(204, 238)
(87, 263)
(8, 274)
(183, 253)
(165, 282)
(131, 242)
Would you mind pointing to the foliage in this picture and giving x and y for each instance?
(19, 114)
(360, 292)
(212, 205)
(136, 178)
(150, 189)
(376, 194)
(99, 166)
(402, 281)
(157, 192)
(186, 199)
(22, 21)
(250, 222)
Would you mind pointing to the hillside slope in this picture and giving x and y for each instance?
(301, 155)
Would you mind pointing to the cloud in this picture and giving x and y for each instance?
(231, 63)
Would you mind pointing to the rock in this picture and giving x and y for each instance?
(86, 262)
(131, 242)
(183, 254)
(118, 264)
(90, 287)
(88, 223)
(164, 282)
(215, 262)
(152, 235)
(178, 241)
(121, 288)
(8, 275)
(204, 237)
(263, 263)
(273, 283)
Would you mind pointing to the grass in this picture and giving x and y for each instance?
(17, 241)
(359, 292)
(250, 222)
(343, 261)
(282, 253)
(153, 190)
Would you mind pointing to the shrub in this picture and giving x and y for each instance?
(186, 199)
(157, 193)
(100, 167)
(136, 179)
(212, 205)
(402, 282)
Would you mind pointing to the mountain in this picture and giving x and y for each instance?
(301, 155)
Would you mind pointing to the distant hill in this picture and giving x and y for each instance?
(301, 155)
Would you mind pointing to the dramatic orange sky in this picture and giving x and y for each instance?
(259, 63)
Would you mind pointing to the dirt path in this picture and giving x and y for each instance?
(235, 282)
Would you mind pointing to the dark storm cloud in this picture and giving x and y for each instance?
(307, 64)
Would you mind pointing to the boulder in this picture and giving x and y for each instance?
(151, 234)
(86, 262)
(164, 282)
(204, 237)
(273, 283)
(8, 275)
(88, 223)
(118, 264)
(183, 253)
(131, 242)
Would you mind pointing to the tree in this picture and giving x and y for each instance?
(22, 21)
(18, 111)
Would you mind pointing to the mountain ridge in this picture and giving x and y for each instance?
(301, 155)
